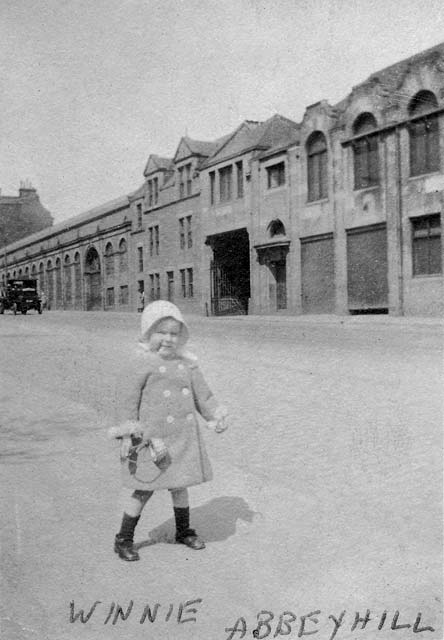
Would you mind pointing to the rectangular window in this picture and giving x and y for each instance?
(150, 193)
(225, 179)
(190, 290)
(183, 283)
(140, 258)
(170, 283)
(240, 179)
(189, 233)
(181, 183)
(156, 190)
(139, 215)
(157, 285)
(110, 297)
(152, 290)
(426, 245)
(212, 187)
(156, 239)
(151, 232)
(365, 156)
(182, 232)
(123, 294)
(276, 175)
(189, 180)
(317, 176)
(424, 146)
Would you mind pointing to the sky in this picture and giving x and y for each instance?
(89, 88)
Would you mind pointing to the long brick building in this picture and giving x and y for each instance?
(339, 213)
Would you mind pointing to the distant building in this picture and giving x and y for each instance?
(22, 215)
(339, 213)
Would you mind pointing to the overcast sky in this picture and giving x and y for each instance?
(91, 87)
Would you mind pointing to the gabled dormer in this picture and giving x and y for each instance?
(188, 159)
(157, 172)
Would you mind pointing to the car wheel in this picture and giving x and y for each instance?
(24, 312)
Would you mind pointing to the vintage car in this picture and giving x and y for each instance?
(20, 296)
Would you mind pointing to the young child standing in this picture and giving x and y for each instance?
(162, 447)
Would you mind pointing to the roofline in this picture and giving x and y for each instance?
(276, 150)
(212, 163)
(72, 223)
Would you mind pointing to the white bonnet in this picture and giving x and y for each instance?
(157, 311)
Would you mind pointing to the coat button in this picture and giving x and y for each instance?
(167, 393)
(186, 391)
(189, 417)
(162, 369)
(170, 419)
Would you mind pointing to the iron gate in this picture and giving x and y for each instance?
(225, 299)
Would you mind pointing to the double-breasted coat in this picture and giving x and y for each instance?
(166, 397)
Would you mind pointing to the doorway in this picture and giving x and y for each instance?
(230, 273)
(93, 281)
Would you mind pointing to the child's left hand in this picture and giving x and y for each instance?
(220, 416)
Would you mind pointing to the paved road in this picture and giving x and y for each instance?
(327, 493)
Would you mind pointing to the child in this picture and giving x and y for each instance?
(162, 447)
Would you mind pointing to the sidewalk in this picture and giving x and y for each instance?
(364, 319)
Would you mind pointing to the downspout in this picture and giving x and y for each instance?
(399, 218)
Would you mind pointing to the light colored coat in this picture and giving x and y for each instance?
(165, 399)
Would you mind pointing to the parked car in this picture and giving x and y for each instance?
(20, 296)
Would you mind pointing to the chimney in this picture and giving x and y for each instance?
(26, 189)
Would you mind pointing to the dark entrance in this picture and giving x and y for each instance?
(280, 274)
(230, 273)
(93, 284)
(367, 269)
(274, 255)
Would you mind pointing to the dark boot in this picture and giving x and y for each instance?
(125, 550)
(185, 535)
(123, 543)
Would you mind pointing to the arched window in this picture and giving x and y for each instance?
(67, 280)
(33, 271)
(109, 260)
(41, 277)
(365, 152)
(276, 228)
(27, 272)
(424, 134)
(58, 274)
(50, 283)
(317, 174)
(77, 281)
(123, 255)
(19, 273)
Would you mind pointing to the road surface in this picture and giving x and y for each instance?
(324, 517)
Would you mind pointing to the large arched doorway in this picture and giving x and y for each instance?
(230, 272)
(93, 280)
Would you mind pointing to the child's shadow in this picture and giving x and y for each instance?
(214, 521)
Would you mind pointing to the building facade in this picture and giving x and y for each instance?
(339, 213)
